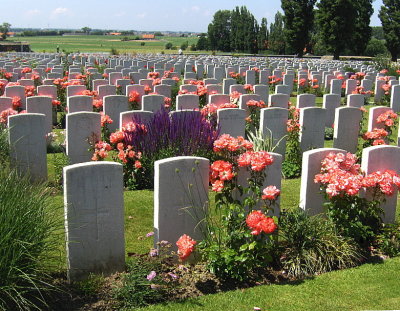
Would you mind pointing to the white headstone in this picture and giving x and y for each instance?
(27, 140)
(113, 105)
(311, 198)
(347, 128)
(152, 103)
(94, 219)
(83, 130)
(380, 158)
(180, 197)
(43, 105)
(232, 121)
(312, 123)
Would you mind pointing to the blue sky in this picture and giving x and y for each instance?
(174, 15)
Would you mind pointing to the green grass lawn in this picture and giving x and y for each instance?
(103, 44)
(368, 287)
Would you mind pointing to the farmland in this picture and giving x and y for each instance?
(104, 44)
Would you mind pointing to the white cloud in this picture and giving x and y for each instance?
(195, 8)
(32, 12)
(59, 11)
(207, 13)
(142, 15)
(119, 14)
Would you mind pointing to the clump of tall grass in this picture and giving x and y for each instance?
(27, 227)
(311, 245)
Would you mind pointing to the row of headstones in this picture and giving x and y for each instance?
(163, 61)
(94, 208)
(127, 66)
(28, 131)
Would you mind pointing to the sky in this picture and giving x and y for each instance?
(151, 15)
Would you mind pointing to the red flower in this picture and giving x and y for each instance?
(257, 160)
(259, 223)
(270, 193)
(185, 246)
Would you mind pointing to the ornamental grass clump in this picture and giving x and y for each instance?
(311, 245)
(27, 236)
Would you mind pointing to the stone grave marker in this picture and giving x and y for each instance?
(94, 219)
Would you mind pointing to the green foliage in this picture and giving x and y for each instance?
(114, 51)
(291, 166)
(263, 142)
(310, 245)
(60, 160)
(230, 251)
(362, 31)
(355, 217)
(168, 46)
(136, 290)
(335, 20)
(28, 235)
(5, 29)
(4, 146)
(298, 20)
(388, 241)
(184, 46)
(142, 43)
(375, 47)
(86, 30)
(235, 30)
(389, 15)
(328, 133)
(91, 285)
(219, 31)
(263, 35)
(276, 42)
(202, 43)
(377, 32)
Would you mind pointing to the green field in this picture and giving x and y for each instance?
(103, 44)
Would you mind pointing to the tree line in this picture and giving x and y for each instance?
(329, 26)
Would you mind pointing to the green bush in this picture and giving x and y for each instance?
(310, 245)
(27, 236)
(375, 47)
(388, 241)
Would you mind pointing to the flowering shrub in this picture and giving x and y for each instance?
(253, 121)
(291, 167)
(380, 136)
(341, 181)
(138, 145)
(237, 242)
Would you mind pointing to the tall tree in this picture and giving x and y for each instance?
(389, 15)
(263, 34)
(219, 31)
(335, 20)
(276, 40)
(5, 29)
(362, 31)
(298, 19)
(86, 30)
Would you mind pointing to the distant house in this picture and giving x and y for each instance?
(114, 33)
(148, 37)
(9, 34)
